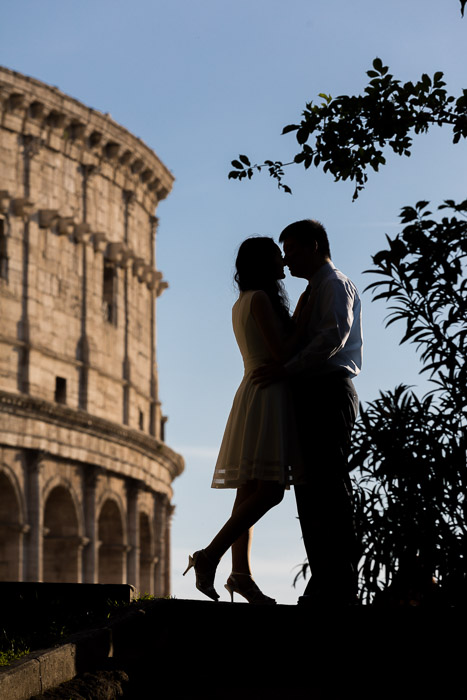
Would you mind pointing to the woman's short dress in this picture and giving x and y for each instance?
(260, 437)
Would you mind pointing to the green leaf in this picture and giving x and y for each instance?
(245, 160)
(237, 164)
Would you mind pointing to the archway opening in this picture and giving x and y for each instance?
(61, 538)
(112, 548)
(146, 556)
(10, 531)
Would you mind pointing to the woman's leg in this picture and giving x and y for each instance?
(253, 500)
(241, 548)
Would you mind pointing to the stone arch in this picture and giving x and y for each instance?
(62, 541)
(112, 542)
(59, 480)
(146, 554)
(11, 527)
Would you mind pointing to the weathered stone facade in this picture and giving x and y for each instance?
(85, 475)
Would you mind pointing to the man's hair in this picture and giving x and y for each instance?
(307, 232)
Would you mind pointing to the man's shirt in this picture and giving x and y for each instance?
(335, 327)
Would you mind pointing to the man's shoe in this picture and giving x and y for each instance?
(317, 601)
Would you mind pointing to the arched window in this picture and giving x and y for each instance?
(146, 555)
(10, 531)
(62, 559)
(112, 548)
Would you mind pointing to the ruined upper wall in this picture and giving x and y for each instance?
(91, 137)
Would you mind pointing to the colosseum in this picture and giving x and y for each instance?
(85, 474)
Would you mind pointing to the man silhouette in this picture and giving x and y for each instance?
(326, 406)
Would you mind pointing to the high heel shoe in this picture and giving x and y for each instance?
(204, 579)
(250, 591)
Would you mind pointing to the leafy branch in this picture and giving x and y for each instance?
(243, 168)
(347, 135)
(423, 271)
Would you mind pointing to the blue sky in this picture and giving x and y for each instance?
(201, 81)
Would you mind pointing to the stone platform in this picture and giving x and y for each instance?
(224, 650)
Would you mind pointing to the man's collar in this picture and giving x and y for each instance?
(322, 272)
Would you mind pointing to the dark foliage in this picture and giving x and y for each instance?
(410, 453)
(424, 285)
(410, 498)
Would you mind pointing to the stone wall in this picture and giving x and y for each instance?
(79, 398)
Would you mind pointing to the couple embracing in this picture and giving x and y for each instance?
(292, 415)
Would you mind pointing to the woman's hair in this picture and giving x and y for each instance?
(256, 268)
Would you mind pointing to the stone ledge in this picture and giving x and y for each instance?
(48, 668)
(31, 408)
(21, 680)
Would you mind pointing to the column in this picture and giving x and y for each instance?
(91, 548)
(22, 208)
(168, 547)
(33, 549)
(128, 199)
(153, 385)
(133, 489)
(160, 534)
(83, 350)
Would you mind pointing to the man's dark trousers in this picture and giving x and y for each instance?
(326, 409)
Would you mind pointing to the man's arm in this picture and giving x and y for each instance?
(330, 325)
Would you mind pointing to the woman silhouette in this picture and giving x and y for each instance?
(257, 455)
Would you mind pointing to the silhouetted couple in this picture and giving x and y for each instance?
(292, 415)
